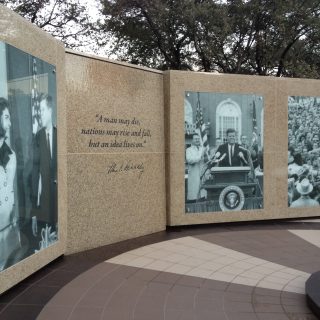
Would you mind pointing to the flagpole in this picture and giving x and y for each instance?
(201, 127)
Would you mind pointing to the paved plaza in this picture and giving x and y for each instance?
(254, 271)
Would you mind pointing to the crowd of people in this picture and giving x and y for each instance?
(303, 152)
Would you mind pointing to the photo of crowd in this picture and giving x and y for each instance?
(223, 152)
(303, 151)
(28, 155)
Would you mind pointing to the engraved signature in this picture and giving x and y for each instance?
(126, 167)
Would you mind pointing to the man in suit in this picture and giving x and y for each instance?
(244, 141)
(245, 145)
(44, 174)
(230, 154)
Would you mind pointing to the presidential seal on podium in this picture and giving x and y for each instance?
(231, 198)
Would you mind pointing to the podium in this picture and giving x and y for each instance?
(230, 175)
(222, 177)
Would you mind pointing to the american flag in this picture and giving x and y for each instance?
(254, 123)
(201, 127)
(35, 97)
(254, 115)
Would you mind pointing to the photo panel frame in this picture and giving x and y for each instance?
(224, 151)
(28, 155)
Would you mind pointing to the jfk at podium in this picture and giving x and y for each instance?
(230, 154)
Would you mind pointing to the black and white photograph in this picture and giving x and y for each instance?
(28, 155)
(303, 151)
(223, 152)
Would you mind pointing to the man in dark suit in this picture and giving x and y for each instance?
(230, 154)
(44, 174)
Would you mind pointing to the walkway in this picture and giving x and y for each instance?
(254, 271)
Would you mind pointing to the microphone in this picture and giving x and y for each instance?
(242, 157)
(216, 161)
(224, 155)
(217, 155)
(242, 148)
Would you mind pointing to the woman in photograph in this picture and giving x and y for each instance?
(9, 235)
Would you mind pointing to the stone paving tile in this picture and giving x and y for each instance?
(190, 281)
(238, 307)
(144, 274)
(199, 272)
(245, 281)
(272, 293)
(297, 309)
(55, 312)
(167, 277)
(272, 316)
(222, 276)
(175, 257)
(184, 291)
(239, 288)
(116, 313)
(159, 265)
(95, 275)
(123, 300)
(94, 298)
(214, 295)
(155, 289)
(312, 236)
(278, 246)
(125, 257)
(36, 295)
(263, 307)
(67, 296)
(139, 262)
(149, 308)
(57, 278)
(85, 313)
(252, 271)
(18, 312)
(215, 285)
(242, 316)
(179, 269)
(185, 303)
(259, 298)
(12, 294)
(236, 297)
